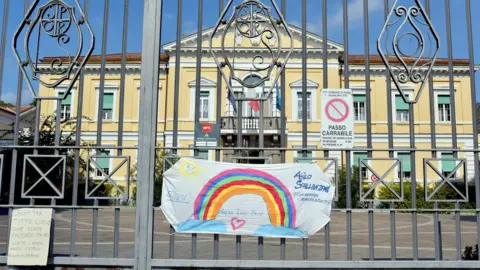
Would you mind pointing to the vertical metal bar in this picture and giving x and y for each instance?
(436, 231)
(369, 120)
(473, 96)
(16, 130)
(78, 133)
(458, 231)
(283, 124)
(283, 115)
(148, 131)
(440, 240)
(325, 86)
(216, 237)
(94, 228)
(261, 146)
(414, 182)
(432, 100)
(434, 146)
(304, 99)
(238, 249)
(122, 75)
(453, 117)
(197, 94)
(177, 76)
(36, 132)
(116, 232)
(3, 42)
(100, 113)
(347, 153)
(451, 82)
(121, 117)
(102, 73)
(176, 99)
(393, 237)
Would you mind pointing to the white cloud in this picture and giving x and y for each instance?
(355, 12)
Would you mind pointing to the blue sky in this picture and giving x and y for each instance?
(189, 25)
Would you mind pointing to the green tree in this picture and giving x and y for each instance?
(5, 104)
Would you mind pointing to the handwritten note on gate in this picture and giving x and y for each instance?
(29, 237)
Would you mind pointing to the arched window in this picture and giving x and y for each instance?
(256, 92)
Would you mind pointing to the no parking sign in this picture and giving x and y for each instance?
(337, 118)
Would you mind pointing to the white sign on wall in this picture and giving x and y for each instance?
(29, 237)
(337, 119)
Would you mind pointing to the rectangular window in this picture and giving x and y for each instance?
(65, 113)
(103, 163)
(204, 104)
(359, 103)
(108, 106)
(406, 165)
(447, 165)
(300, 155)
(300, 103)
(402, 109)
(443, 108)
(357, 156)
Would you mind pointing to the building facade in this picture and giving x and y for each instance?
(116, 116)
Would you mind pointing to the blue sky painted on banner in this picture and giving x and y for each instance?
(189, 25)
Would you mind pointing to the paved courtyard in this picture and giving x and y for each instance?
(316, 244)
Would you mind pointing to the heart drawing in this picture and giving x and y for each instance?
(237, 223)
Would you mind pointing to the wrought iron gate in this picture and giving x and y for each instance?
(85, 168)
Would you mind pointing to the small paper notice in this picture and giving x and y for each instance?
(29, 237)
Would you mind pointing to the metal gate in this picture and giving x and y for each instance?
(102, 126)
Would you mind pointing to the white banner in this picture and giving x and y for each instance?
(276, 200)
(337, 119)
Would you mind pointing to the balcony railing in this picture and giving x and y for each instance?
(270, 123)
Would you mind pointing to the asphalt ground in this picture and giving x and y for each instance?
(271, 247)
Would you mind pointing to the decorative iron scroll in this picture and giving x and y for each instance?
(449, 180)
(53, 24)
(252, 21)
(408, 64)
(380, 179)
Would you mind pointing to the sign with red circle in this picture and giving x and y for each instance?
(338, 123)
(337, 110)
(373, 178)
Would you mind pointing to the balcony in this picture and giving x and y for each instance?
(251, 123)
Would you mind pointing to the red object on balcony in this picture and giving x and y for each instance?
(255, 105)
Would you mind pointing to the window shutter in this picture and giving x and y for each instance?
(67, 100)
(108, 101)
(406, 164)
(444, 99)
(103, 163)
(400, 104)
(448, 165)
(203, 154)
(359, 98)
(300, 155)
(357, 156)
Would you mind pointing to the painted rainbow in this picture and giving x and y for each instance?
(219, 189)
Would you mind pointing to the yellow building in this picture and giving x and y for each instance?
(187, 83)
